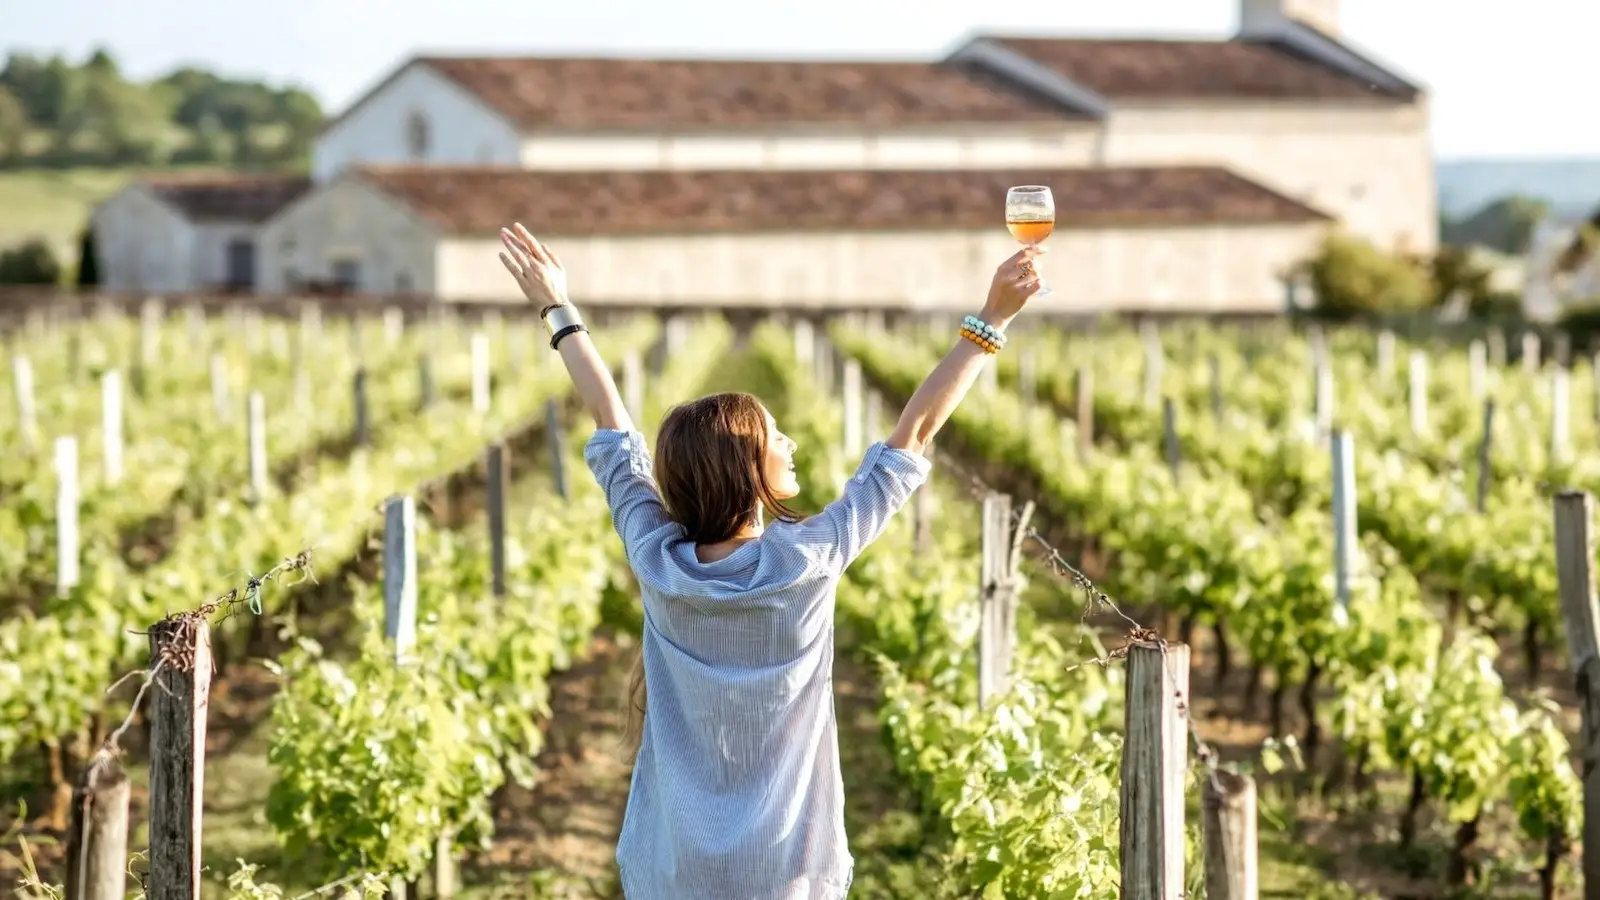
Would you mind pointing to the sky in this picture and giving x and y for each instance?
(1506, 79)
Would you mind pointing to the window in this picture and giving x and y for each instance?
(241, 263)
(417, 136)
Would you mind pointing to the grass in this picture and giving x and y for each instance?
(53, 204)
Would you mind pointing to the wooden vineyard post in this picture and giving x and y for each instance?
(1322, 394)
(1344, 515)
(633, 387)
(394, 324)
(805, 341)
(180, 649)
(1028, 375)
(1563, 349)
(1485, 459)
(1560, 415)
(1575, 582)
(97, 839)
(1169, 436)
(872, 417)
(1214, 375)
(111, 425)
(496, 482)
(66, 514)
(1419, 393)
(1530, 352)
(1228, 831)
(558, 462)
(359, 387)
(219, 385)
(1477, 369)
(256, 432)
(1085, 413)
(854, 403)
(1155, 758)
(480, 372)
(424, 381)
(1153, 363)
(27, 415)
(997, 598)
(1497, 347)
(400, 576)
(1385, 354)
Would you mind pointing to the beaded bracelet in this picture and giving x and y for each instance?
(986, 336)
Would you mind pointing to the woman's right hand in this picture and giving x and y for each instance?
(536, 268)
(1015, 282)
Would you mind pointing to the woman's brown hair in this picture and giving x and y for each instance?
(711, 457)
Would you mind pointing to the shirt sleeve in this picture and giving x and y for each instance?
(882, 484)
(621, 464)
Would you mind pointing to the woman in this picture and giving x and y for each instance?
(736, 791)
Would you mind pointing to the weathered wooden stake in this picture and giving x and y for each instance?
(1477, 369)
(1560, 415)
(219, 385)
(359, 386)
(1419, 393)
(400, 576)
(1575, 581)
(181, 649)
(1385, 354)
(1497, 347)
(97, 840)
(558, 462)
(997, 599)
(27, 414)
(1169, 435)
(1154, 361)
(256, 434)
(1214, 374)
(1485, 457)
(1344, 515)
(1085, 413)
(67, 495)
(633, 387)
(425, 390)
(1323, 394)
(111, 425)
(496, 482)
(1228, 831)
(854, 409)
(1530, 352)
(805, 341)
(1155, 758)
(480, 372)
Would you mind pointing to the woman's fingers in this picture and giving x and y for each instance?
(518, 252)
(514, 268)
(531, 243)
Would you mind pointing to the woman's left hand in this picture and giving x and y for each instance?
(536, 268)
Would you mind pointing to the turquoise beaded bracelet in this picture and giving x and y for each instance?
(995, 335)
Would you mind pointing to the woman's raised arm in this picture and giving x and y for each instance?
(942, 391)
(543, 281)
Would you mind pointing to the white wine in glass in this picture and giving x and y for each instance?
(1031, 216)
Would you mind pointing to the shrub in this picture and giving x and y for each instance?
(1351, 278)
(32, 262)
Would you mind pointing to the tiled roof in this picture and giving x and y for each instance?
(670, 93)
(228, 197)
(477, 200)
(1195, 69)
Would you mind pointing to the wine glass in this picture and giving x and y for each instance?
(1031, 216)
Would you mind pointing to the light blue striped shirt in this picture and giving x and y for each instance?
(736, 792)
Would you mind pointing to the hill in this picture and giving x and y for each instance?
(1570, 186)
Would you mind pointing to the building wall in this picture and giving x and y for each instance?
(142, 244)
(346, 221)
(208, 260)
(1369, 165)
(954, 146)
(1231, 268)
(460, 129)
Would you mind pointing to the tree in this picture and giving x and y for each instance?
(32, 262)
(1506, 225)
(1352, 277)
(88, 260)
(13, 128)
